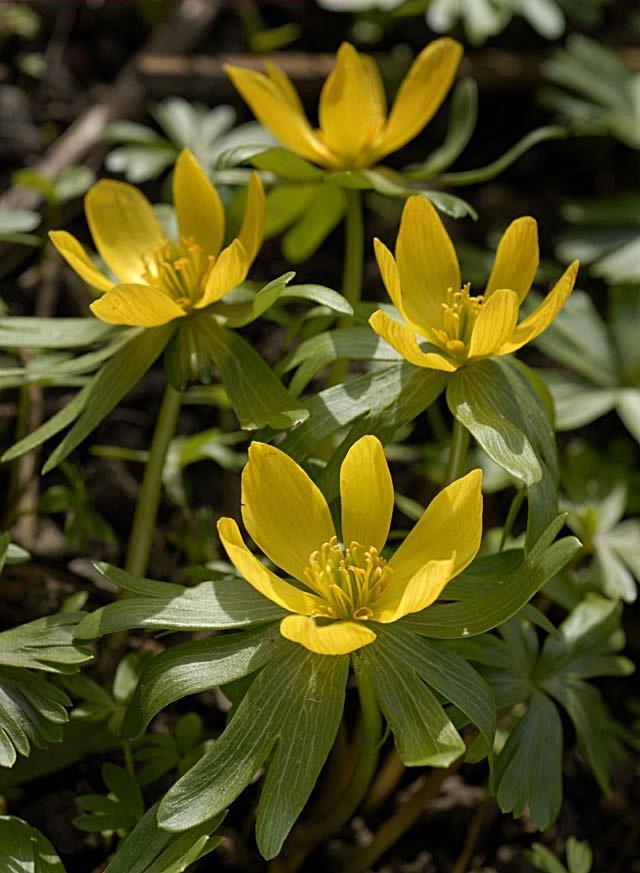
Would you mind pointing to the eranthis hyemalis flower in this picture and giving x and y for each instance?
(355, 130)
(160, 279)
(423, 281)
(343, 586)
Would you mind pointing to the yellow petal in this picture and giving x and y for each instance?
(283, 510)
(285, 86)
(124, 227)
(198, 206)
(337, 638)
(366, 492)
(229, 271)
(541, 318)
(350, 112)
(389, 272)
(517, 259)
(427, 263)
(375, 85)
(403, 340)
(273, 106)
(75, 255)
(451, 524)
(137, 306)
(495, 323)
(255, 216)
(421, 93)
(424, 587)
(263, 580)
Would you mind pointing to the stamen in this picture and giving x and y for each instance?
(180, 269)
(349, 580)
(459, 315)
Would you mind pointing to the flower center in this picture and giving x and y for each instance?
(459, 314)
(180, 269)
(349, 579)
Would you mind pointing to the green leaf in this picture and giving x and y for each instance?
(489, 609)
(463, 115)
(577, 402)
(23, 849)
(628, 408)
(286, 164)
(300, 698)
(624, 317)
(323, 214)
(66, 416)
(257, 396)
(112, 382)
(450, 204)
(529, 767)
(32, 712)
(482, 400)
(400, 391)
(218, 604)
(579, 856)
(14, 221)
(544, 860)
(354, 343)
(578, 338)
(240, 314)
(191, 668)
(497, 167)
(44, 644)
(423, 732)
(52, 333)
(447, 673)
(148, 849)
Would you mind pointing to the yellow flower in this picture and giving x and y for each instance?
(354, 130)
(423, 281)
(160, 279)
(343, 586)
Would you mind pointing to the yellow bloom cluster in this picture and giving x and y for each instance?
(343, 585)
(159, 279)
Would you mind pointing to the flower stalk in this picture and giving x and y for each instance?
(458, 450)
(144, 519)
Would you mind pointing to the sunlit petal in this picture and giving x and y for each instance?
(349, 112)
(517, 259)
(255, 216)
(284, 512)
(273, 106)
(495, 323)
(336, 638)
(451, 524)
(403, 340)
(136, 305)
(228, 272)
(424, 587)
(198, 206)
(124, 227)
(421, 93)
(427, 262)
(75, 255)
(366, 492)
(541, 318)
(262, 579)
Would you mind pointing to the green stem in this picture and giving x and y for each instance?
(352, 268)
(313, 834)
(457, 452)
(421, 792)
(144, 520)
(514, 509)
